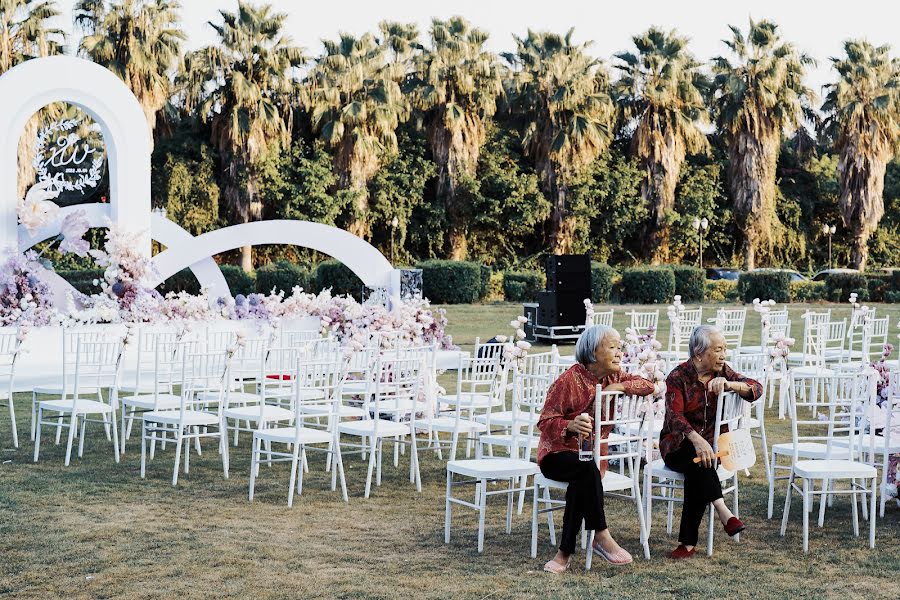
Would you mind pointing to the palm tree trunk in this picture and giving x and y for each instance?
(353, 170)
(861, 175)
(661, 172)
(751, 169)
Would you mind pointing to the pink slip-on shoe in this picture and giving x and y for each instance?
(554, 567)
(619, 557)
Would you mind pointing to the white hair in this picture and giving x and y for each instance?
(588, 341)
(701, 339)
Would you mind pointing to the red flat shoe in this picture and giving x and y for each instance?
(734, 526)
(681, 552)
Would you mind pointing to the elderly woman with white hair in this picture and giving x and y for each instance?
(692, 396)
(566, 414)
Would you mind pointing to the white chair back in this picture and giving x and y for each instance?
(644, 322)
(603, 317)
(98, 364)
(730, 321)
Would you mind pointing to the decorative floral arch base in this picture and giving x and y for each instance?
(34, 84)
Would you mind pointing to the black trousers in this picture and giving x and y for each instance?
(701, 486)
(584, 496)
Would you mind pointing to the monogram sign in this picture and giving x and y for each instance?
(69, 153)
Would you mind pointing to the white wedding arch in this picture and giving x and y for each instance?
(34, 84)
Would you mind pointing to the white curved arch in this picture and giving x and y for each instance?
(34, 84)
(360, 257)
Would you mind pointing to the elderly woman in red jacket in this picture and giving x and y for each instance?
(692, 395)
(598, 354)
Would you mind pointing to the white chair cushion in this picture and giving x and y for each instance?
(82, 406)
(252, 413)
(811, 450)
(288, 435)
(470, 400)
(366, 427)
(166, 401)
(325, 409)
(504, 418)
(448, 424)
(173, 417)
(505, 439)
(864, 442)
(492, 468)
(831, 469)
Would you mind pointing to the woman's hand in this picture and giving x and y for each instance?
(581, 424)
(717, 385)
(704, 451)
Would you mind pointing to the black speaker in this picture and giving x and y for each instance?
(531, 313)
(561, 309)
(568, 273)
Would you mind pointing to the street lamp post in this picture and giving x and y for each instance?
(700, 225)
(829, 231)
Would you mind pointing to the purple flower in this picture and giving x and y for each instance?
(73, 228)
(240, 299)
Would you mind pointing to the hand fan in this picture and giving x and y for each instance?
(736, 450)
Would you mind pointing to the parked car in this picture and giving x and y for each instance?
(824, 273)
(728, 273)
(794, 275)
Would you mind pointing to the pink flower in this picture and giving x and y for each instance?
(73, 228)
(36, 210)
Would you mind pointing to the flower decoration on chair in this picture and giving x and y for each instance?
(674, 312)
(588, 312)
(516, 348)
(641, 356)
(24, 296)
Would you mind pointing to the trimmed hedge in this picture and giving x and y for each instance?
(690, 283)
(451, 281)
(281, 276)
(83, 280)
(522, 286)
(839, 286)
(601, 282)
(892, 297)
(765, 285)
(338, 276)
(721, 290)
(807, 291)
(495, 287)
(895, 280)
(648, 285)
(239, 281)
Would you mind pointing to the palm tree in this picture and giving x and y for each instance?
(356, 104)
(562, 94)
(757, 99)
(457, 82)
(26, 33)
(661, 92)
(243, 86)
(138, 40)
(863, 109)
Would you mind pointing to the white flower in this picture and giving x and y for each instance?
(36, 210)
(522, 319)
(500, 338)
(520, 334)
(523, 345)
(514, 323)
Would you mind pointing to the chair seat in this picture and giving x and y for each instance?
(325, 409)
(505, 439)
(662, 471)
(366, 427)
(864, 442)
(165, 401)
(305, 393)
(252, 413)
(810, 450)
(471, 400)
(492, 468)
(612, 482)
(173, 417)
(354, 387)
(82, 406)
(449, 424)
(829, 469)
(394, 405)
(505, 418)
(288, 435)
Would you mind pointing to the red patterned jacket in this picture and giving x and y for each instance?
(569, 396)
(690, 406)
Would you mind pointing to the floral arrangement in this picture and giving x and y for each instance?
(24, 296)
(588, 312)
(516, 348)
(674, 312)
(641, 356)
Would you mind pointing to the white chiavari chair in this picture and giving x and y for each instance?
(98, 365)
(10, 344)
(602, 317)
(645, 322)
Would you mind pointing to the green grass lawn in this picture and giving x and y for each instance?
(96, 530)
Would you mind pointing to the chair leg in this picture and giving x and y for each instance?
(81, 433)
(509, 503)
(143, 448)
(12, 422)
(642, 525)
(302, 452)
(340, 465)
(37, 434)
(482, 508)
(805, 515)
(254, 459)
(178, 439)
(447, 504)
(711, 531)
(534, 521)
(589, 548)
(124, 429)
(787, 503)
(872, 511)
(115, 434)
(771, 465)
(372, 452)
(72, 423)
(34, 404)
(854, 509)
(223, 443)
